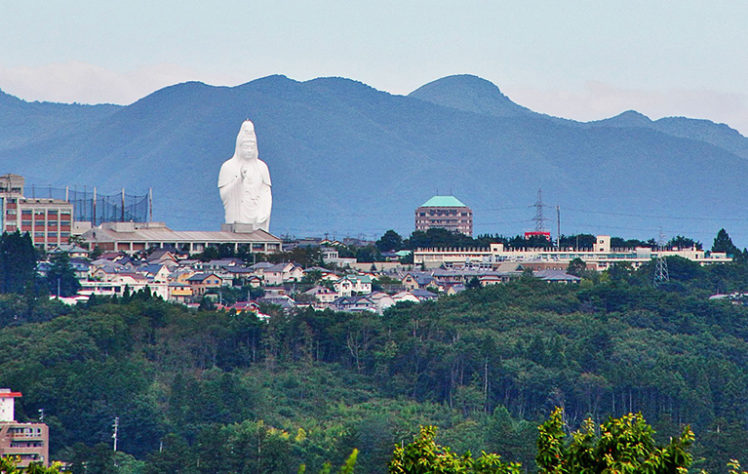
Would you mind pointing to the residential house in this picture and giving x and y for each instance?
(424, 295)
(415, 280)
(382, 300)
(406, 297)
(355, 304)
(322, 294)
(73, 251)
(163, 256)
(159, 272)
(557, 276)
(344, 287)
(180, 292)
(202, 282)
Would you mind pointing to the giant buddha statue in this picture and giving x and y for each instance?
(244, 183)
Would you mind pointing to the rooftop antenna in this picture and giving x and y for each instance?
(539, 219)
(661, 274)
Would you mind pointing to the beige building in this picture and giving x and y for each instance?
(48, 221)
(27, 441)
(131, 237)
(445, 212)
(600, 257)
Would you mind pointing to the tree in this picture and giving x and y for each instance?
(9, 465)
(390, 241)
(368, 254)
(423, 456)
(576, 267)
(682, 242)
(624, 444)
(61, 275)
(577, 241)
(473, 284)
(17, 262)
(723, 243)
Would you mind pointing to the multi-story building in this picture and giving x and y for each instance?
(600, 257)
(27, 441)
(445, 212)
(48, 221)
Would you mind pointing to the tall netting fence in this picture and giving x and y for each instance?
(92, 206)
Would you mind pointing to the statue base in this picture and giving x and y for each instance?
(239, 228)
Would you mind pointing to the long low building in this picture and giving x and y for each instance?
(600, 257)
(132, 237)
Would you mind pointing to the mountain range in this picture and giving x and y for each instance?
(347, 159)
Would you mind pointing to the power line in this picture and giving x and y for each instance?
(646, 216)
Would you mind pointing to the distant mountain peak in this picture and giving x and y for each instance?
(629, 118)
(633, 116)
(471, 94)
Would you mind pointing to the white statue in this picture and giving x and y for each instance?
(244, 183)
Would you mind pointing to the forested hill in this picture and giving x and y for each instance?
(241, 395)
(346, 159)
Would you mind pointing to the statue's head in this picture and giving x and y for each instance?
(246, 142)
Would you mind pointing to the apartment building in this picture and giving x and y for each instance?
(27, 441)
(445, 212)
(48, 221)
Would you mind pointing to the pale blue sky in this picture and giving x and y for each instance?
(584, 60)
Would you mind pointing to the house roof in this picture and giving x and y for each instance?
(443, 201)
(319, 290)
(423, 294)
(201, 276)
(152, 268)
(279, 267)
(68, 248)
(555, 275)
(361, 278)
(164, 234)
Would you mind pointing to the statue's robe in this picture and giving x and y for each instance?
(245, 190)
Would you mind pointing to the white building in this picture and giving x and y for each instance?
(601, 257)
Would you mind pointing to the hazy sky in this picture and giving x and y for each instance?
(581, 59)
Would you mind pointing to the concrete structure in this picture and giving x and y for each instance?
(445, 212)
(48, 221)
(132, 237)
(27, 441)
(244, 183)
(600, 257)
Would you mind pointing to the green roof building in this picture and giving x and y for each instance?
(445, 212)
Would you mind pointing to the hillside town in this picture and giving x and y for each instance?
(116, 258)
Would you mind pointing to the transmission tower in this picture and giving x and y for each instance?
(661, 274)
(539, 219)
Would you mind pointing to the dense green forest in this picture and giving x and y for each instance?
(205, 391)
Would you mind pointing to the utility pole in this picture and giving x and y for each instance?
(116, 431)
(41, 415)
(558, 227)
